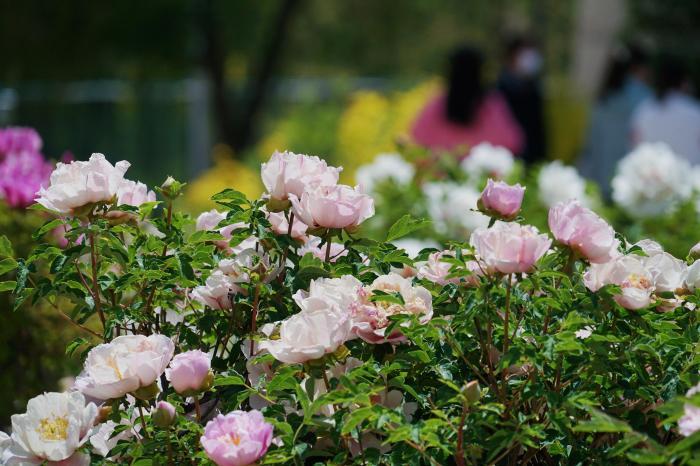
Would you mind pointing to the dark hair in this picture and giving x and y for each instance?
(670, 73)
(466, 90)
(515, 43)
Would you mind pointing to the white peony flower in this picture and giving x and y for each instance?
(630, 274)
(215, 292)
(134, 193)
(318, 330)
(341, 291)
(557, 182)
(689, 423)
(313, 246)
(667, 272)
(210, 220)
(452, 208)
(53, 428)
(487, 160)
(289, 173)
(78, 184)
(692, 279)
(384, 167)
(650, 180)
(124, 365)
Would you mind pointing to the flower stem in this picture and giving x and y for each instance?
(328, 248)
(143, 421)
(291, 224)
(197, 410)
(254, 319)
(95, 285)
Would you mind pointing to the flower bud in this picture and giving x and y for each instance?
(148, 392)
(695, 251)
(164, 414)
(190, 372)
(171, 188)
(472, 391)
(501, 199)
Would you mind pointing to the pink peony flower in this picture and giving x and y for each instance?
(280, 225)
(134, 193)
(216, 290)
(689, 423)
(313, 246)
(78, 184)
(629, 273)
(22, 174)
(509, 247)
(287, 173)
(583, 231)
(16, 139)
(337, 206)
(370, 319)
(210, 221)
(436, 270)
(190, 372)
(502, 199)
(237, 439)
(164, 414)
(124, 365)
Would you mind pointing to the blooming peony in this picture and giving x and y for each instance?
(453, 208)
(509, 247)
(627, 272)
(210, 221)
(557, 182)
(287, 173)
(667, 272)
(371, 318)
(689, 423)
(437, 271)
(313, 246)
(318, 330)
(79, 184)
(342, 292)
(22, 174)
(216, 290)
(124, 365)
(237, 439)
(501, 199)
(15, 140)
(692, 278)
(486, 159)
(280, 225)
(53, 428)
(384, 167)
(190, 372)
(650, 180)
(337, 206)
(134, 193)
(583, 231)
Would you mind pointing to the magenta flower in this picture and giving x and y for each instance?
(502, 199)
(189, 372)
(22, 174)
(237, 439)
(16, 139)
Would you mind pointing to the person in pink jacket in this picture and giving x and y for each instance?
(468, 113)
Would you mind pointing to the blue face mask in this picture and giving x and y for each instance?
(528, 62)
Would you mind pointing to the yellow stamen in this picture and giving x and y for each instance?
(53, 429)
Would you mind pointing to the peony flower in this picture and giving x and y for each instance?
(318, 330)
(651, 180)
(215, 293)
(557, 183)
(371, 318)
(190, 372)
(689, 423)
(79, 184)
(583, 231)
(14, 140)
(104, 440)
(280, 225)
(585, 332)
(313, 246)
(208, 221)
(336, 206)
(486, 160)
(164, 414)
(342, 292)
(695, 251)
(627, 272)
(53, 428)
(246, 262)
(124, 365)
(501, 199)
(509, 247)
(453, 208)
(237, 439)
(287, 173)
(650, 247)
(667, 272)
(22, 174)
(692, 278)
(134, 193)
(437, 271)
(384, 167)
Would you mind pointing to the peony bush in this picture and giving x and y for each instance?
(276, 331)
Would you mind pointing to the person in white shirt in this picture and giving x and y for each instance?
(672, 116)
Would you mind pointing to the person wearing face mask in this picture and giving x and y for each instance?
(519, 82)
(467, 113)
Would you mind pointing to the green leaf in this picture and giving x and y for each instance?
(601, 422)
(74, 345)
(7, 286)
(404, 226)
(227, 380)
(46, 227)
(202, 236)
(7, 265)
(5, 247)
(230, 196)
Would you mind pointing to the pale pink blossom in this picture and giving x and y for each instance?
(237, 439)
(313, 246)
(209, 221)
(216, 291)
(280, 225)
(583, 231)
(287, 173)
(124, 365)
(78, 184)
(437, 270)
(371, 318)
(502, 199)
(134, 193)
(336, 206)
(509, 247)
(627, 272)
(689, 423)
(190, 372)
(342, 291)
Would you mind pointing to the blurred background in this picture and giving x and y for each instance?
(204, 90)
